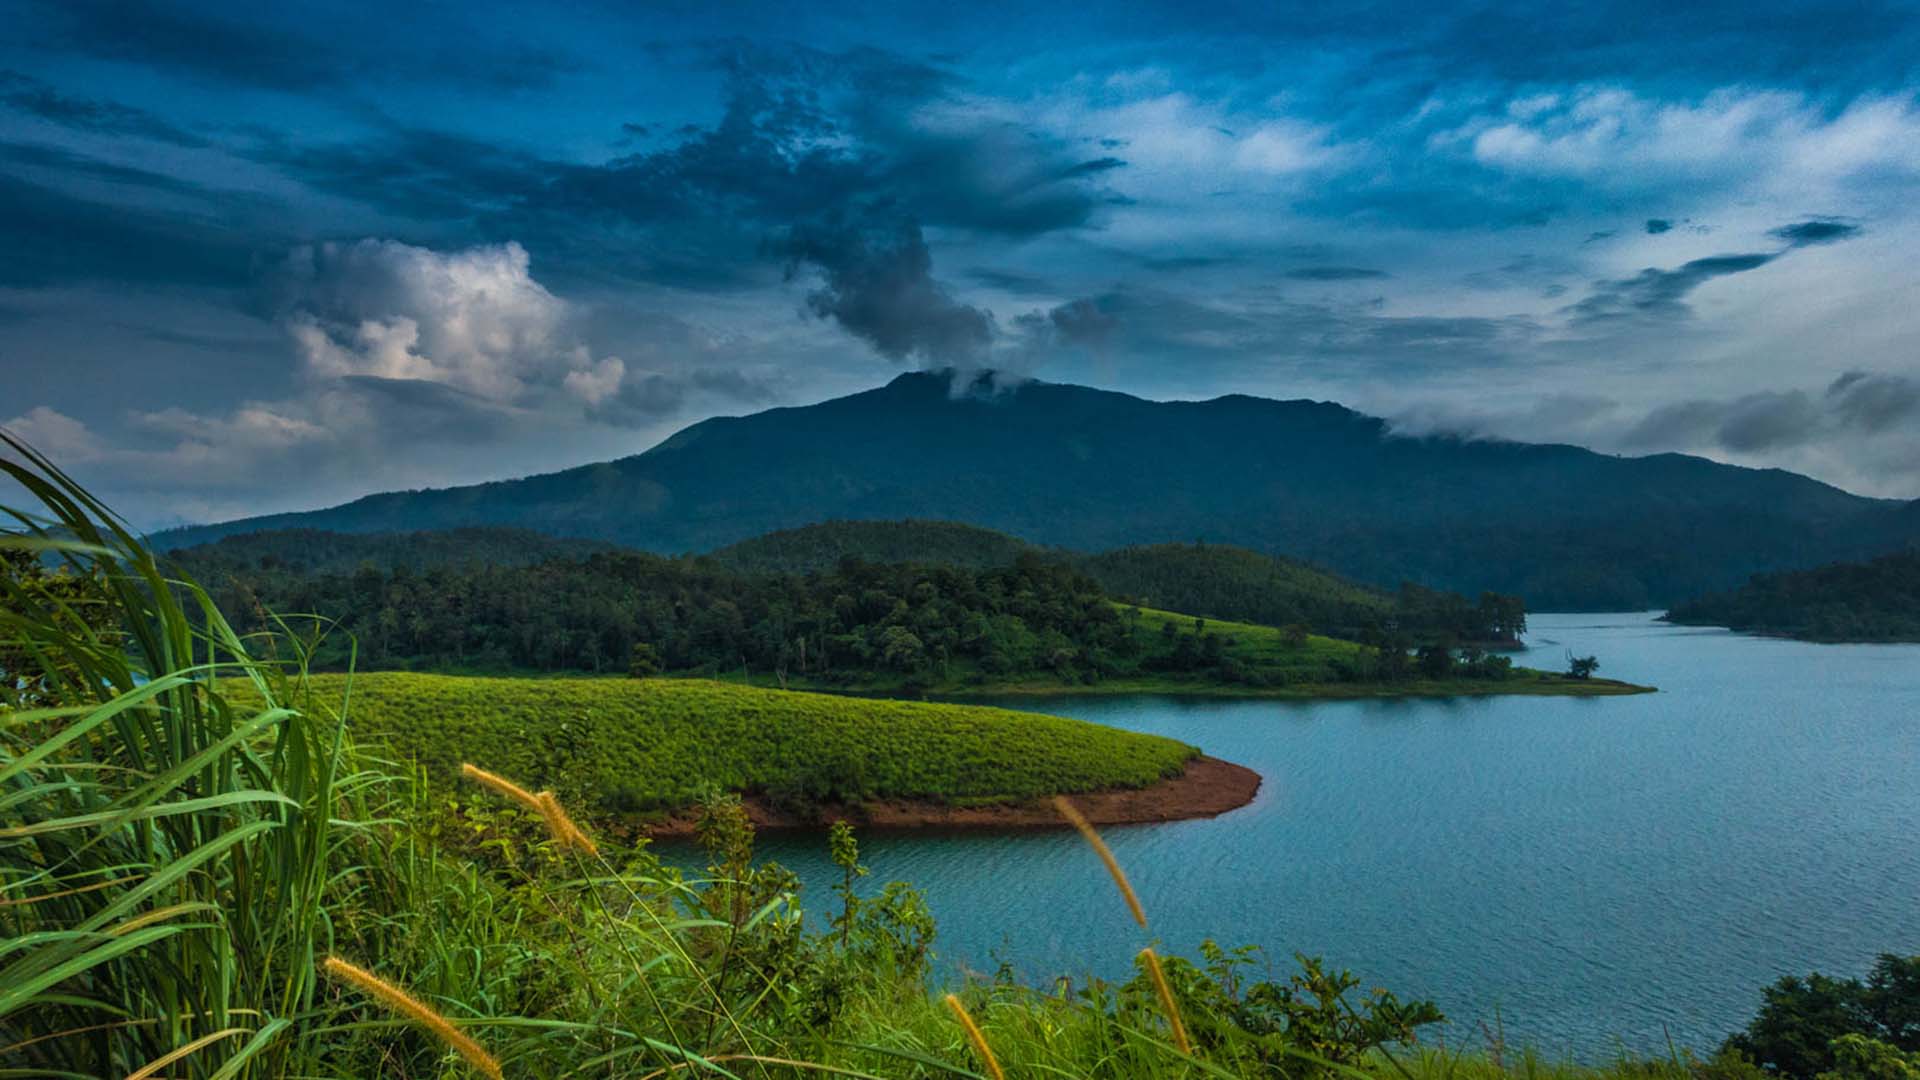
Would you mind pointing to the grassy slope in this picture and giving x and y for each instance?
(657, 740)
(1309, 672)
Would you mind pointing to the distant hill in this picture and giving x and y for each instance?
(1215, 580)
(822, 546)
(1225, 582)
(1092, 470)
(321, 551)
(1871, 601)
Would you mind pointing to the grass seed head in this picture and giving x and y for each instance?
(1167, 1003)
(415, 1010)
(500, 785)
(975, 1036)
(565, 832)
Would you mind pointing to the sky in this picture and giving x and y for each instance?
(269, 257)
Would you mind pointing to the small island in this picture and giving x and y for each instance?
(1878, 600)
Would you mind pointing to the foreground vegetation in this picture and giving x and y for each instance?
(1870, 601)
(636, 745)
(203, 876)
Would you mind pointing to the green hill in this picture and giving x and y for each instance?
(1224, 582)
(1089, 470)
(1877, 600)
(636, 744)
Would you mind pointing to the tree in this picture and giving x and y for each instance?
(645, 661)
(1294, 634)
(901, 650)
(1581, 667)
(1802, 1021)
(1435, 660)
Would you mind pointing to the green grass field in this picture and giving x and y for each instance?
(651, 743)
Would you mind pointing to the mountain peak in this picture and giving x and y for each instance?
(957, 383)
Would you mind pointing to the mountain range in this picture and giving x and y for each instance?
(1089, 470)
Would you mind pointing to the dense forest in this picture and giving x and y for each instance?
(905, 623)
(1870, 601)
(1219, 581)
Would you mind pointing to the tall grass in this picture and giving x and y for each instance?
(163, 853)
(188, 833)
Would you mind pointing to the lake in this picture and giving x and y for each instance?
(1592, 873)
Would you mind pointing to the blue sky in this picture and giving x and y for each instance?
(265, 257)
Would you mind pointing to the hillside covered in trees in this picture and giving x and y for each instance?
(1039, 620)
(1877, 600)
(1218, 581)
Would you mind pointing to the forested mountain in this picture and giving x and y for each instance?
(1092, 470)
(1871, 601)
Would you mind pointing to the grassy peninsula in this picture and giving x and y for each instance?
(627, 745)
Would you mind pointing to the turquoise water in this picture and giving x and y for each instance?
(1595, 873)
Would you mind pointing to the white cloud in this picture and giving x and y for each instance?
(1766, 138)
(55, 434)
(475, 320)
(596, 384)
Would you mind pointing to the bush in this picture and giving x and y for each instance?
(1801, 1019)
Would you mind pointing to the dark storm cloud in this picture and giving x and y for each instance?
(1855, 404)
(415, 173)
(804, 133)
(804, 137)
(1335, 273)
(1874, 402)
(53, 238)
(1656, 226)
(878, 285)
(1082, 322)
(647, 399)
(1815, 231)
(36, 98)
(1013, 282)
(304, 52)
(1656, 294)
(1657, 42)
